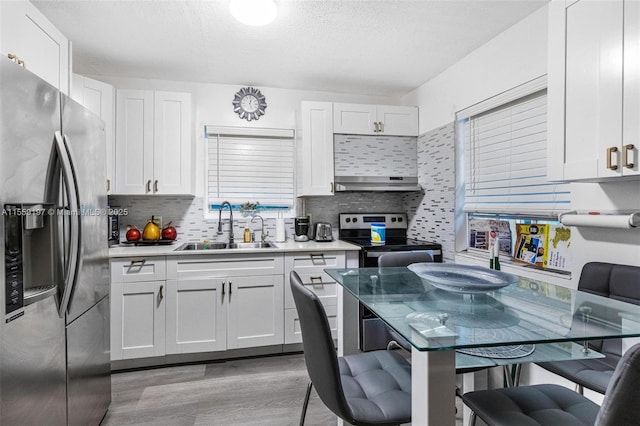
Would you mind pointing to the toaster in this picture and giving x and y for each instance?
(323, 232)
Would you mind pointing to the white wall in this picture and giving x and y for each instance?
(514, 57)
(212, 106)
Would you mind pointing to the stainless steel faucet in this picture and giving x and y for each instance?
(263, 235)
(226, 203)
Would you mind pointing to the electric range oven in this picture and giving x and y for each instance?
(355, 228)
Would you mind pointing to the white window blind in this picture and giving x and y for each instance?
(250, 165)
(505, 151)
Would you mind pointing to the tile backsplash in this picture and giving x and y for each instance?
(431, 212)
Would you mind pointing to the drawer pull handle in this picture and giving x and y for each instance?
(626, 153)
(161, 292)
(138, 261)
(610, 151)
(223, 284)
(317, 258)
(155, 186)
(148, 186)
(316, 281)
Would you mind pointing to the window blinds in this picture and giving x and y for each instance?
(505, 151)
(249, 165)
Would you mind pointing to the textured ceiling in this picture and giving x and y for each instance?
(359, 46)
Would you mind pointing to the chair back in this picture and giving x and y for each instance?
(319, 351)
(620, 282)
(403, 258)
(620, 405)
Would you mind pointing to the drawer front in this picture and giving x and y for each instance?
(292, 332)
(314, 261)
(310, 266)
(320, 283)
(224, 266)
(137, 269)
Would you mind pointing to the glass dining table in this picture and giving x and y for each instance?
(525, 321)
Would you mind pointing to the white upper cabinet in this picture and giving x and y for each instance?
(30, 39)
(98, 98)
(359, 119)
(594, 93)
(315, 149)
(153, 143)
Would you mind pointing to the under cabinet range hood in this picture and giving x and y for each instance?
(375, 163)
(376, 183)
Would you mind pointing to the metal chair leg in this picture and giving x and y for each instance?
(306, 403)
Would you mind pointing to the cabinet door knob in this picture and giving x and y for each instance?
(155, 186)
(148, 186)
(610, 151)
(626, 153)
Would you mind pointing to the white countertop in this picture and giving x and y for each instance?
(128, 250)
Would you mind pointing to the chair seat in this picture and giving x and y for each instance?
(377, 387)
(532, 406)
(593, 374)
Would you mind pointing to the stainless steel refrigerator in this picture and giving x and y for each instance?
(54, 333)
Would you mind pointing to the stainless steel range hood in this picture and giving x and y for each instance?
(376, 183)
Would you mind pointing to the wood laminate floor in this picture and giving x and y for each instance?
(251, 391)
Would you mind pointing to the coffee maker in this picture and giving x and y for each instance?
(302, 224)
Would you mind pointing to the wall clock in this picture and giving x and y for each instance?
(249, 103)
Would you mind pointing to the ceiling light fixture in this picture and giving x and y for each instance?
(253, 12)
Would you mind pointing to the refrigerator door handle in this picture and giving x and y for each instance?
(70, 184)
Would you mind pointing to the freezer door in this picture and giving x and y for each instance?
(32, 346)
(32, 367)
(84, 138)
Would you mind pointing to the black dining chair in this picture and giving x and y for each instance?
(397, 259)
(621, 282)
(553, 405)
(370, 388)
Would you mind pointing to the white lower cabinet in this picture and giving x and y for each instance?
(137, 320)
(224, 302)
(310, 266)
(137, 308)
(194, 304)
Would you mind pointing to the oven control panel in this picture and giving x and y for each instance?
(364, 220)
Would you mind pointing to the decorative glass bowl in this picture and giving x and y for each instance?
(461, 278)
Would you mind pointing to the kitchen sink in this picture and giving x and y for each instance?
(265, 244)
(223, 246)
(202, 246)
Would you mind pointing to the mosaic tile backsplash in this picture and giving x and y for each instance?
(431, 212)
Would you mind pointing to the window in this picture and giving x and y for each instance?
(250, 165)
(503, 169)
(505, 151)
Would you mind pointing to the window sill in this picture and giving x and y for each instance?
(515, 268)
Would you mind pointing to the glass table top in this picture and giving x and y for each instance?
(525, 312)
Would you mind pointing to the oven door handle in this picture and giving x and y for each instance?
(378, 253)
